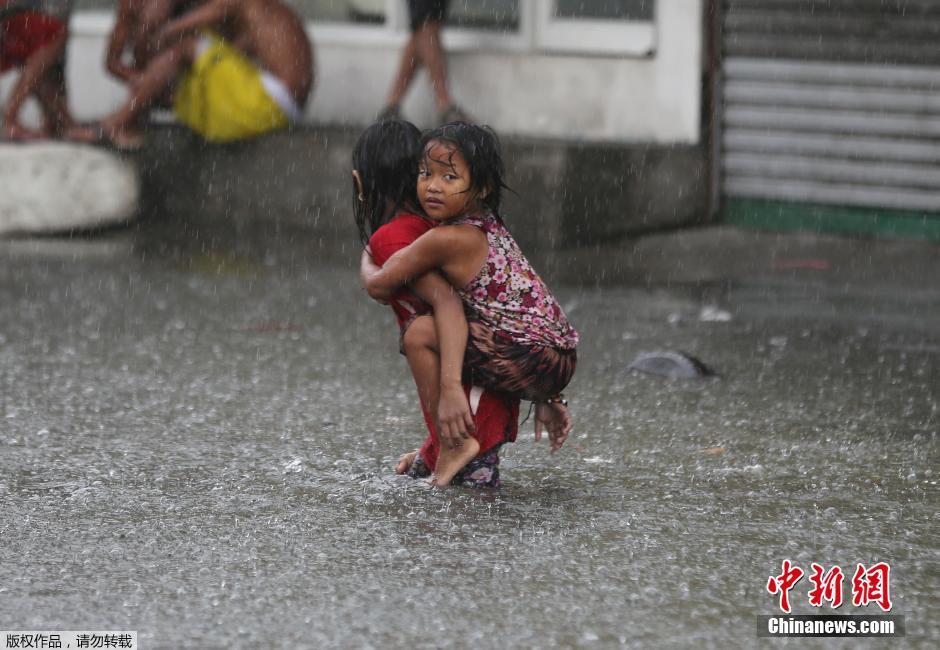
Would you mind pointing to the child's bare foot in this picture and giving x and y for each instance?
(120, 138)
(451, 461)
(17, 133)
(84, 133)
(123, 139)
(405, 462)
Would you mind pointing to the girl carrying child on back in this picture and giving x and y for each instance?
(387, 212)
(518, 339)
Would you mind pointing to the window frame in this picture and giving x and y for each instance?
(92, 22)
(539, 32)
(395, 32)
(617, 37)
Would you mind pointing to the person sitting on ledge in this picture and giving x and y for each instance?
(32, 39)
(248, 71)
(130, 46)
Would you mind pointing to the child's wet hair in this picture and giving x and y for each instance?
(479, 146)
(386, 157)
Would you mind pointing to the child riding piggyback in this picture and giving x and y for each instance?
(520, 341)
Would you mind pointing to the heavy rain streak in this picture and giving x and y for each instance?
(201, 409)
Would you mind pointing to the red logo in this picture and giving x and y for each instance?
(826, 586)
(871, 585)
(783, 583)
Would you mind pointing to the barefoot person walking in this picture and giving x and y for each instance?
(424, 48)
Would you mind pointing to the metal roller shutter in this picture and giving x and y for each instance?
(832, 102)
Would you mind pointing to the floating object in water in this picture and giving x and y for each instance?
(671, 364)
(712, 314)
(791, 264)
(713, 451)
(48, 187)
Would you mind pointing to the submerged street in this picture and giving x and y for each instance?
(197, 436)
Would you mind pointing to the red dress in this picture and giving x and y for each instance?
(23, 34)
(497, 416)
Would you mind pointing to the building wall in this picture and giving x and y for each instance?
(597, 147)
(509, 83)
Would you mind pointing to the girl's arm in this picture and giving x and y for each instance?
(368, 268)
(442, 248)
(453, 411)
(455, 421)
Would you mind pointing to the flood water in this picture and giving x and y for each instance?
(197, 444)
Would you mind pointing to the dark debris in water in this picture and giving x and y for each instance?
(671, 364)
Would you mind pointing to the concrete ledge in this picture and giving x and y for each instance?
(565, 194)
(56, 187)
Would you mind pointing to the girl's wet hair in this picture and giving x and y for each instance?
(479, 146)
(386, 157)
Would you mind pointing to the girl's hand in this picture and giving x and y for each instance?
(455, 422)
(557, 420)
(367, 269)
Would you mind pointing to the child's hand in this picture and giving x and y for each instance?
(368, 268)
(557, 420)
(455, 422)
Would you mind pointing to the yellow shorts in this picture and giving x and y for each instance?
(222, 97)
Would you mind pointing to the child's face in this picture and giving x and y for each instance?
(444, 183)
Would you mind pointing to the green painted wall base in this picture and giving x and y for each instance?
(778, 215)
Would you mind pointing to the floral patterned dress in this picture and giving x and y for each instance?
(520, 339)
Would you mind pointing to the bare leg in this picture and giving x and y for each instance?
(159, 75)
(406, 72)
(429, 47)
(32, 75)
(153, 15)
(53, 100)
(421, 350)
(420, 346)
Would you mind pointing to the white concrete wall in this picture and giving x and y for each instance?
(517, 88)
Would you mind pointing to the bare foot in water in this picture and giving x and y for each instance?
(405, 462)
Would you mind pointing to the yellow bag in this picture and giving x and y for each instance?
(222, 98)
